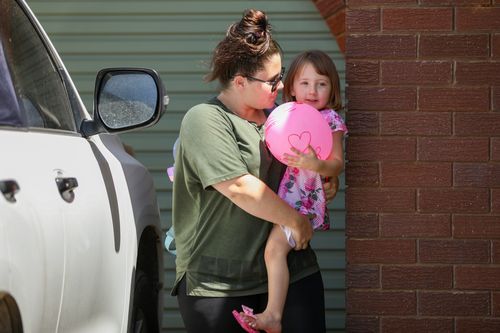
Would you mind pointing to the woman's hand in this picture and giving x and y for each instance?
(331, 187)
(302, 232)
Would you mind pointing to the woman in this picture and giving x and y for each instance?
(224, 195)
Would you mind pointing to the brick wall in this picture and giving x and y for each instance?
(423, 170)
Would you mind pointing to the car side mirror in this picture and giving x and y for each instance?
(126, 99)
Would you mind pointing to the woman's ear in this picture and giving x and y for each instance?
(239, 81)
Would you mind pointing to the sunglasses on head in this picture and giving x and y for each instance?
(274, 83)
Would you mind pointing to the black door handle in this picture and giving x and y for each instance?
(66, 185)
(9, 188)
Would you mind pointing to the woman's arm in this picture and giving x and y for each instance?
(256, 198)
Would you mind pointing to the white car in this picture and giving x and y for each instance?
(80, 240)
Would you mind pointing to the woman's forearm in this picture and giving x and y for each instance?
(256, 198)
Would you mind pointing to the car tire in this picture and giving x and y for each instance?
(10, 321)
(144, 312)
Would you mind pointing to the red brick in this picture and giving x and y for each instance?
(454, 303)
(495, 201)
(380, 149)
(361, 324)
(381, 98)
(416, 325)
(362, 72)
(476, 226)
(496, 98)
(381, 251)
(478, 73)
(453, 200)
(476, 174)
(483, 325)
(336, 22)
(363, 20)
(453, 150)
(362, 174)
(381, 46)
(454, 2)
(495, 299)
(477, 18)
(329, 7)
(454, 99)
(417, 19)
(362, 225)
(454, 251)
(380, 200)
(474, 124)
(415, 225)
(363, 276)
(495, 149)
(477, 277)
(394, 303)
(416, 123)
(417, 277)
(362, 123)
(416, 72)
(415, 174)
(495, 252)
(454, 46)
(495, 47)
(341, 42)
(353, 3)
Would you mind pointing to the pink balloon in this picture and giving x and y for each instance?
(298, 125)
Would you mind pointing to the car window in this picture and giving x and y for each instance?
(9, 108)
(40, 91)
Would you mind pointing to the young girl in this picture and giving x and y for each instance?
(312, 79)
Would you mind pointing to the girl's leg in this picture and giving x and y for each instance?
(212, 314)
(275, 256)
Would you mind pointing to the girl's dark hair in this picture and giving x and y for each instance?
(324, 66)
(244, 50)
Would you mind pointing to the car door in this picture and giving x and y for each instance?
(60, 228)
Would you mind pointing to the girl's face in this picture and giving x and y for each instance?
(260, 94)
(311, 88)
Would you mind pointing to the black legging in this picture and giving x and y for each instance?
(304, 309)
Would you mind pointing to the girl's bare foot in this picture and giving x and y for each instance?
(266, 321)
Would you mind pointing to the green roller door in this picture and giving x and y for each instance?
(176, 39)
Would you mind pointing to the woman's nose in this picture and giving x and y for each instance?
(281, 85)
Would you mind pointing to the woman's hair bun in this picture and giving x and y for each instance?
(253, 30)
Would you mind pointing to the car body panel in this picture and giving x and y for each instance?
(69, 254)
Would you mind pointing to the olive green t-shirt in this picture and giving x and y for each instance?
(220, 247)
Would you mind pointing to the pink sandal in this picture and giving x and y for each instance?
(239, 318)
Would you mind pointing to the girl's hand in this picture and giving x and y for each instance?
(307, 160)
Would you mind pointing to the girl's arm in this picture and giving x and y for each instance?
(256, 198)
(331, 167)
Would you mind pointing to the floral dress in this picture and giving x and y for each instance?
(303, 189)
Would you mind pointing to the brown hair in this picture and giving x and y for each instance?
(247, 45)
(324, 66)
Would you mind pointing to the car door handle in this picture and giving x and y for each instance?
(9, 188)
(66, 185)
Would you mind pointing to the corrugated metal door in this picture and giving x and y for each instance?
(176, 38)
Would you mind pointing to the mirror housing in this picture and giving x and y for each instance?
(126, 99)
